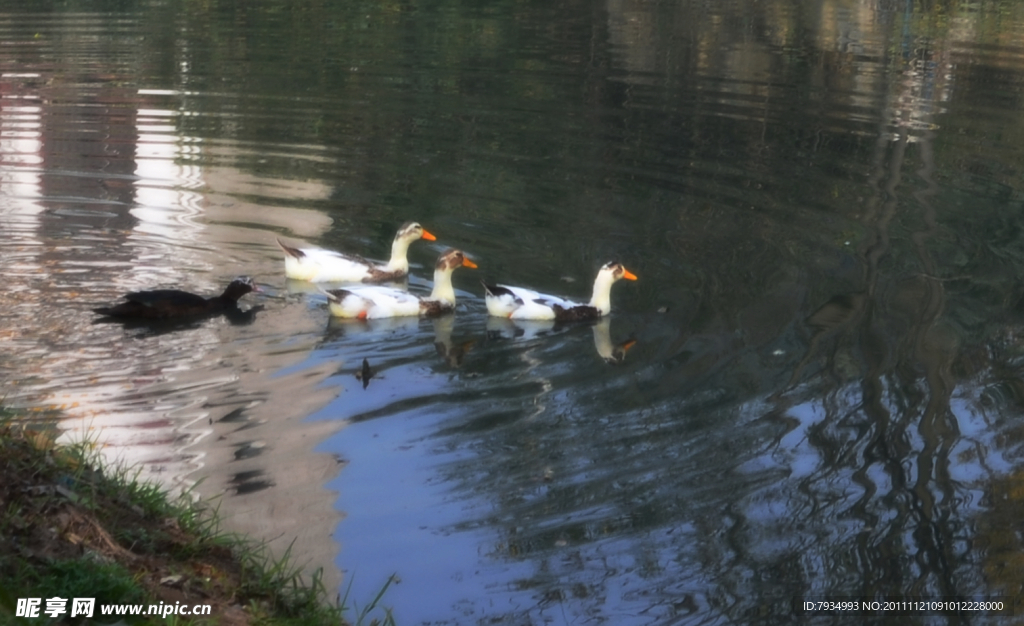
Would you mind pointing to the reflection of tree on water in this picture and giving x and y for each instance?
(891, 442)
(856, 468)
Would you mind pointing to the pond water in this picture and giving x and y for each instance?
(814, 390)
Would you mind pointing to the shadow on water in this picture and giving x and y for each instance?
(236, 316)
(813, 391)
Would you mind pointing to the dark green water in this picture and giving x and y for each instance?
(822, 201)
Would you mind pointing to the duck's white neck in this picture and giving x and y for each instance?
(399, 255)
(602, 298)
(443, 289)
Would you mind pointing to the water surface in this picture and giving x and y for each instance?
(811, 392)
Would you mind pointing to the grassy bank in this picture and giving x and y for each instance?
(70, 528)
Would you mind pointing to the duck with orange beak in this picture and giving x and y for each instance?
(320, 266)
(374, 302)
(518, 303)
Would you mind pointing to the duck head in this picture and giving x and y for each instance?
(608, 275)
(447, 263)
(411, 231)
(615, 271)
(451, 259)
(408, 233)
(239, 287)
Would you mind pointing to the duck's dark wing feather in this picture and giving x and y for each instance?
(376, 275)
(432, 308)
(291, 251)
(162, 304)
(577, 313)
(166, 297)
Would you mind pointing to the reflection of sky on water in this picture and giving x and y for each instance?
(134, 396)
(102, 193)
(104, 412)
(411, 511)
(759, 488)
(794, 449)
(168, 200)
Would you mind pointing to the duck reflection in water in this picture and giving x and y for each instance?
(451, 352)
(612, 353)
(384, 328)
(387, 328)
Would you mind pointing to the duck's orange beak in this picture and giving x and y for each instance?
(628, 275)
(467, 263)
(428, 236)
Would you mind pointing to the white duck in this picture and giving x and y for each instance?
(373, 302)
(318, 265)
(518, 303)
